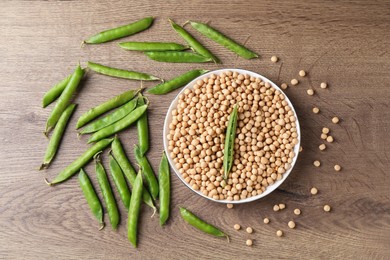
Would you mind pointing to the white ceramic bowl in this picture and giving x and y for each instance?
(168, 120)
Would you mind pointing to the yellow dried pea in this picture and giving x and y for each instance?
(329, 139)
(322, 147)
(323, 85)
(325, 130)
(294, 82)
(249, 242)
(310, 92)
(302, 73)
(276, 208)
(335, 120)
(237, 227)
(249, 230)
(291, 224)
(229, 206)
(274, 59)
(284, 86)
(266, 220)
(337, 168)
(297, 211)
(314, 191)
(324, 136)
(279, 233)
(327, 208)
(282, 206)
(316, 110)
(317, 163)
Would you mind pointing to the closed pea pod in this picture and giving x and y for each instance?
(106, 106)
(120, 73)
(91, 197)
(147, 171)
(143, 129)
(64, 99)
(176, 83)
(225, 41)
(229, 143)
(164, 189)
(120, 32)
(110, 118)
(55, 91)
(134, 210)
(195, 44)
(108, 196)
(119, 125)
(152, 46)
(177, 57)
(120, 182)
(58, 132)
(198, 223)
(76, 165)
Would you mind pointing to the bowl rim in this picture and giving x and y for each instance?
(168, 119)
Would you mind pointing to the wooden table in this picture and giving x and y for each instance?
(344, 44)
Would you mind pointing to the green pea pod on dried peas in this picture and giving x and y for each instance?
(55, 91)
(120, 182)
(119, 125)
(142, 128)
(228, 153)
(110, 118)
(223, 40)
(80, 162)
(120, 32)
(120, 156)
(64, 99)
(152, 46)
(147, 170)
(91, 197)
(108, 196)
(58, 132)
(164, 180)
(195, 44)
(198, 223)
(105, 107)
(176, 83)
(120, 73)
(134, 210)
(177, 57)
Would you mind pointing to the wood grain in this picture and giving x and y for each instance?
(343, 43)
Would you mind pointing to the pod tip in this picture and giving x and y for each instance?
(47, 182)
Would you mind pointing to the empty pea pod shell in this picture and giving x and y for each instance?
(106, 106)
(120, 73)
(152, 46)
(225, 41)
(228, 153)
(122, 31)
(176, 83)
(134, 210)
(177, 56)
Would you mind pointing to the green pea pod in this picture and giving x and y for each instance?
(119, 125)
(110, 118)
(164, 180)
(228, 153)
(108, 196)
(55, 91)
(152, 46)
(195, 44)
(58, 132)
(120, 32)
(120, 182)
(64, 99)
(177, 56)
(120, 156)
(134, 210)
(150, 178)
(91, 197)
(105, 107)
(198, 223)
(80, 162)
(176, 83)
(120, 73)
(142, 128)
(225, 41)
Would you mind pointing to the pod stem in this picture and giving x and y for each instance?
(185, 23)
(154, 211)
(101, 226)
(43, 166)
(97, 156)
(47, 182)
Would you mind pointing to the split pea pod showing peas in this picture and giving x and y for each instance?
(120, 73)
(195, 44)
(80, 162)
(120, 156)
(152, 46)
(147, 170)
(142, 128)
(118, 125)
(164, 180)
(177, 57)
(91, 197)
(64, 99)
(58, 132)
(120, 182)
(120, 32)
(228, 153)
(105, 107)
(110, 118)
(198, 223)
(176, 83)
(108, 196)
(225, 41)
(134, 210)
